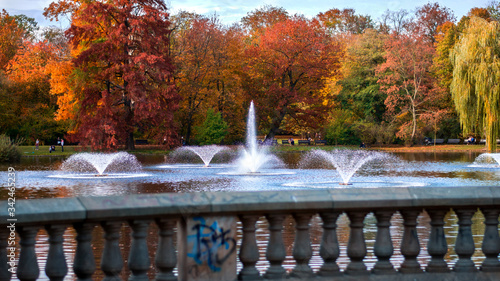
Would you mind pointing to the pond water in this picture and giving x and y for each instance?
(40, 177)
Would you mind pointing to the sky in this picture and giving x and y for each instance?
(231, 11)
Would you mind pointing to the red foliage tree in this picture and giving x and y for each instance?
(123, 72)
(430, 17)
(406, 79)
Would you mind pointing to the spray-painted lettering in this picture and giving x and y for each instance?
(207, 241)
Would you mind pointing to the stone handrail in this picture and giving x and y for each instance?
(182, 213)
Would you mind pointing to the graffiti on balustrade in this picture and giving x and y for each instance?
(212, 244)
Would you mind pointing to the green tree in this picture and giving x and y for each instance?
(360, 91)
(213, 130)
(476, 76)
(341, 129)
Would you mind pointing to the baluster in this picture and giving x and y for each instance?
(111, 261)
(276, 252)
(302, 250)
(56, 267)
(138, 260)
(410, 247)
(329, 249)
(84, 265)
(464, 245)
(28, 269)
(5, 260)
(249, 252)
(383, 248)
(491, 240)
(437, 246)
(356, 247)
(166, 257)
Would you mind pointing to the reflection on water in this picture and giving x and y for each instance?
(431, 169)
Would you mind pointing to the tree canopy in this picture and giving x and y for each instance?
(129, 69)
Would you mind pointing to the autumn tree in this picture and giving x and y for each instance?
(395, 21)
(344, 21)
(60, 69)
(285, 71)
(360, 91)
(430, 17)
(32, 105)
(265, 17)
(13, 32)
(28, 108)
(123, 73)
(405, 78)
(476, 74)
(206, 55)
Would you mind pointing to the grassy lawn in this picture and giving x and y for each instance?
(436, 148)
(29, 150)
(150, 149)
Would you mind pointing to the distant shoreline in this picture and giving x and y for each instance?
(43, 151)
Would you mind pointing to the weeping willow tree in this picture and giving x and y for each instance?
(476, 79)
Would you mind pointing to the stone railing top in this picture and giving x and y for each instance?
(67, 210)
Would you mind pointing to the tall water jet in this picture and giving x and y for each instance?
(254, 156)
(206, 152)
(99, 163)
(348, 162)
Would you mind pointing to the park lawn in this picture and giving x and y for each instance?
(390, 148)
(43, 150)
(435, 148)
(159, 150)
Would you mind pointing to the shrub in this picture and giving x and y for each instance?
(340, 129)
(373, 133)
(9, 151)
(213, 130)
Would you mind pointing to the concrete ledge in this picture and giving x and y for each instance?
(39, 211)
(67, 210)
(144, 205)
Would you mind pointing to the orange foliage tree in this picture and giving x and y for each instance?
(29, 81)
(206, 55)
(285, 72)
(11, 38)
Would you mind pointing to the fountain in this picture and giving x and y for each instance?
(97, 165)
(206, 152)
(487, 160)
(346, 162)
(255, 157)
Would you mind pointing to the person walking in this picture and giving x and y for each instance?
(62, 145)
(37, 144)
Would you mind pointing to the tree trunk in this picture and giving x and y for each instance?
(130, 145)
(275, 125)
(491, 134)
(129, 119)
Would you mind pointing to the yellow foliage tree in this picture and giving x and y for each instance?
(476, 79)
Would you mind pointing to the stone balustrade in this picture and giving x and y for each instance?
(196, 237)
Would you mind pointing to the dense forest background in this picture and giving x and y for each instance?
(127, 70)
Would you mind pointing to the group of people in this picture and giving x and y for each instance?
(52, 147)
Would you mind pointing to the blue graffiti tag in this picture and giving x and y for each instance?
(207, 241)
